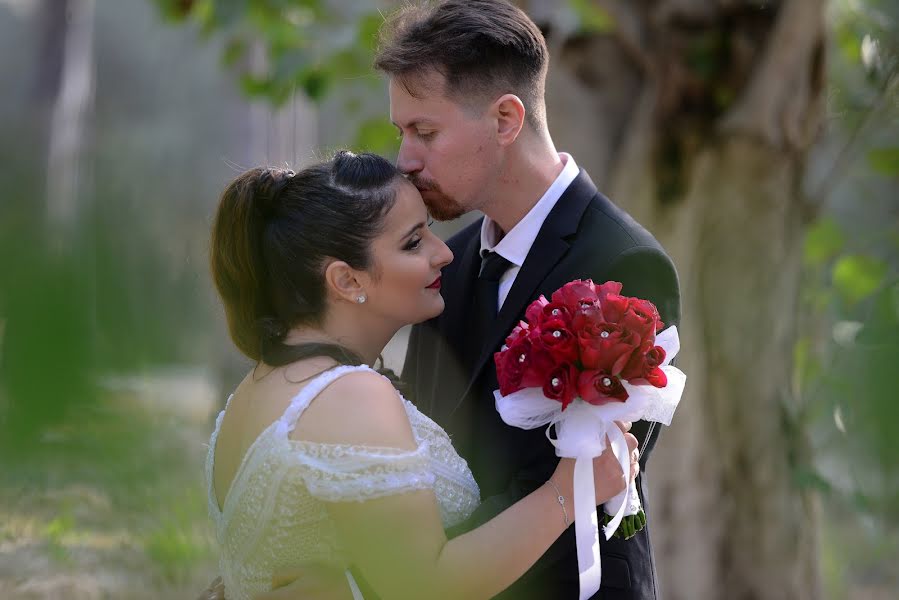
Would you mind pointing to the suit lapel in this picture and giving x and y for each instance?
(460, 285)
(551, 244)
(455, 340)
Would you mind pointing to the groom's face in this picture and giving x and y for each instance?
(447, 151)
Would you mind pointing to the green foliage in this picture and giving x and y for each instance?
(848, 41)
(47, 353)
(282, 47)
(823, 241)
(125, 474)
(593, 18)
(74, 309)
(56, 530)
(845, 357)
(176, 544)
(377, 135)
(856, 277)
(884, 161)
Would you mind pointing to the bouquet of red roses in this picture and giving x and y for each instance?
(581, 361)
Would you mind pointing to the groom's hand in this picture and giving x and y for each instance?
(309, 582)
(632, 446)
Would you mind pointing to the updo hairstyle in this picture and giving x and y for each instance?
(273, 235)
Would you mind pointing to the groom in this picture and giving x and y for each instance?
(467, 81)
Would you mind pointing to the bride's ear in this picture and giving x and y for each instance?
(344, 282)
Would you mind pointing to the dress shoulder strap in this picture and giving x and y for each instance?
(299, 403)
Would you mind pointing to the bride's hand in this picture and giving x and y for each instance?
(608, 479)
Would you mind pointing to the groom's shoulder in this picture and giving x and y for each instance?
(615, 226)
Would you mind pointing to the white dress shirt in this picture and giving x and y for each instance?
(516, 244)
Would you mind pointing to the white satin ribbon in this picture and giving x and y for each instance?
(581, 433)
(586, 528)
(354, 587)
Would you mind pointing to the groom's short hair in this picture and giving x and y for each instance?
(483, 49)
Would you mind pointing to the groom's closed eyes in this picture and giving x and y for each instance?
(425, 129)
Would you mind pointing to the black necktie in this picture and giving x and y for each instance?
(492, 268)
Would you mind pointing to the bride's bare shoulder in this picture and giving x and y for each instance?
(358, 408)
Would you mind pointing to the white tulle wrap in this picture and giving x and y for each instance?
(581, 433)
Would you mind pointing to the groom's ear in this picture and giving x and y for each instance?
(509, 112)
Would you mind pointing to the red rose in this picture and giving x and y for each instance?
(598, 388)
(508, 372)
(583, 325)
(540, 311)
(561, 384)
(655, 357)
(609, 287)
(657, 377)
(538, 361)
(525, 363)
(607, 347)
(614, 307)
(535, 309)
(653, 373)
(556, 311)
(559, 341)
(574, 293)
(641, 317)
(521, 330)
(587, 322)
(644, 367)
(636, 365)
(586, 316)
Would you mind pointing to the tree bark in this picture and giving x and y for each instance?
(700, 115)
(67, 169)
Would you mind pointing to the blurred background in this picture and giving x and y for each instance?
(757, 139)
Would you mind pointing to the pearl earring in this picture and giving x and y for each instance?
(360, 299)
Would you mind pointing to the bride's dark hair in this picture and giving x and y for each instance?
(273, 232)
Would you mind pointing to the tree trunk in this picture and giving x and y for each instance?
(700, 116)
(67, 170)
(50, 288)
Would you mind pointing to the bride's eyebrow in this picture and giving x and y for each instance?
(415, 228)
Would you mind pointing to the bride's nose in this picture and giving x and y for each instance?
(443, 256)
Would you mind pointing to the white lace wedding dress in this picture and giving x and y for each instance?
(273, 516)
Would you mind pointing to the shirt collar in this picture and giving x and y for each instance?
(516, 244)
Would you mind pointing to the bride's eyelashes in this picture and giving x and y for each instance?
(413, 244)
(416, 240)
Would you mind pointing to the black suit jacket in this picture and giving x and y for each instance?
(450, 371)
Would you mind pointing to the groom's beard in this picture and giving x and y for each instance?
(440, 206)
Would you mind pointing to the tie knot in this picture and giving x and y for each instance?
(493, 266)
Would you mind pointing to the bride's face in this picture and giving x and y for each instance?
(407, 262)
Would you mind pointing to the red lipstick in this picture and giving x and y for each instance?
(435, 285)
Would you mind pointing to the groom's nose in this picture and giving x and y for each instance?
(407, 160)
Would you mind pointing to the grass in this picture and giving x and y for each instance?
(111, 504)
(178, 544)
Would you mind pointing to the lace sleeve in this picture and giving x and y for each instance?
(338, 473)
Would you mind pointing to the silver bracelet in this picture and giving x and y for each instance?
(561, 500)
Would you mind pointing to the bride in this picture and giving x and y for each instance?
(317, 459)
